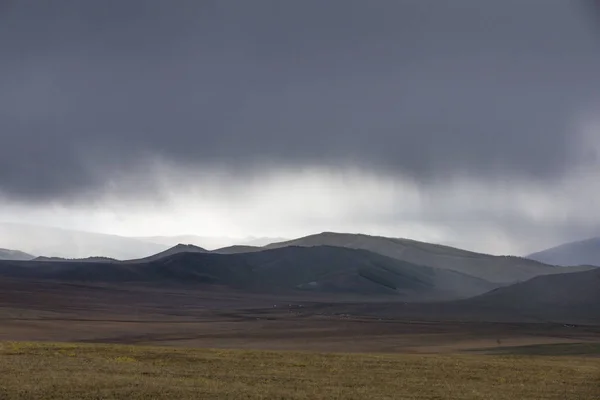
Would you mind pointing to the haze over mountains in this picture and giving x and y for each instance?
(64, 243)
(371, 132)
(326, 263)
(28, 241)
(56, 242)
(571, 298)
(584, 252)
(60, 243)
(209, 242)
(566, 296)
(341, 267)
(6, 254)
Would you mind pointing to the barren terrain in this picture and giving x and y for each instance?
(51, 311)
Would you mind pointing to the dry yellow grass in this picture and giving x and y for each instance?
(69, 371)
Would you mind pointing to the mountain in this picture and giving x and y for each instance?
(497, 269)
(569, 298)
(55, 242)
(585, 252)
(260, 241)
(180, 248)
(235, 249)
(6, 254)
(564, 297)
(209, 242)
(87, 259)
(288, 270)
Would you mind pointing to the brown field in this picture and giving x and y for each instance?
(223, 319)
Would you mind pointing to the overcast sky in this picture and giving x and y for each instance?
(468, 122)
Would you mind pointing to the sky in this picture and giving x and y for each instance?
(474, 123)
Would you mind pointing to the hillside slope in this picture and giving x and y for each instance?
(567, 297)
(321, 269)
(237, 249)
(570, 298)
(180, 248)
(6, 254)
(497, 269)
(585, 252)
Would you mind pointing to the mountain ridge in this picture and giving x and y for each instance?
(571, 297)
(580, 252)
(209, 242)
(8, 254)
(294, 269)
(498, 269)
(178, 248)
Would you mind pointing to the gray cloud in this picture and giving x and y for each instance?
(421, 88)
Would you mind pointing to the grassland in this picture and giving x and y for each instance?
(551, 349)
(65, 371)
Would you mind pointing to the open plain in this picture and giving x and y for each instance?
(53, 311)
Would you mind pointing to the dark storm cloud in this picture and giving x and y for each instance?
(418, 87)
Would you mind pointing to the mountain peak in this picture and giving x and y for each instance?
(189, 247)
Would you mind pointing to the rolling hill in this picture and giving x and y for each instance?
(236, 249)
(319, 269)
(209, 242)
(87, 259)
(564, 297)
(6, 254)
(180, 248)
(501, 270)
(585, 252)
(569, 298)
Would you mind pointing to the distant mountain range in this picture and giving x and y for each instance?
(319, 269)
(324, 263)
(6, 254)
(29, 241)
(70, 244)
(87, 259)
(55, 244)
(569, 298)
(210, 242)
(382, 276)
(584, 252)
(496, 269)
(63, 243)
(236, 249)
